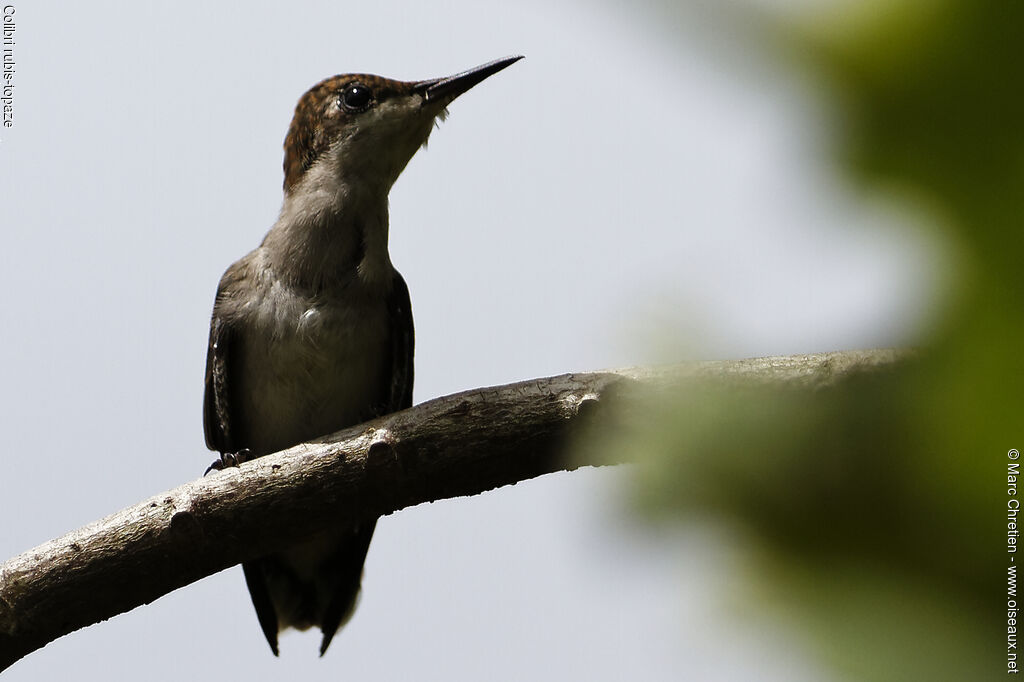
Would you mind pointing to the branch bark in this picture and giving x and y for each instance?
(462, 444)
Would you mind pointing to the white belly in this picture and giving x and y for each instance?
(309, 367)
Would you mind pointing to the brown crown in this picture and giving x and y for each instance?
(318, 120)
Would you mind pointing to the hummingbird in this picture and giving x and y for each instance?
(312, 331)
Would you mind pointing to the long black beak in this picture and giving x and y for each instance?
(447, 89)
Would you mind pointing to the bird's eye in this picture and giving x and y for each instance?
(355, 97)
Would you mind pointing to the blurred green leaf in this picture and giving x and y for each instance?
(872, 509)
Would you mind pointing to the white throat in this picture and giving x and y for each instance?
(331, 232)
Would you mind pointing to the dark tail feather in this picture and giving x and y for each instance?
(347, 564)
(254, 579)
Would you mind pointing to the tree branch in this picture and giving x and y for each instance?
(462, 444)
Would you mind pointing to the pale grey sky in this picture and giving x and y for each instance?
(633, 191)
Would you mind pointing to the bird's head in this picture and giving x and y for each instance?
(360, 129)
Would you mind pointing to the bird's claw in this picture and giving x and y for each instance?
(229, 459)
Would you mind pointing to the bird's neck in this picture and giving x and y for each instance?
(331, 234)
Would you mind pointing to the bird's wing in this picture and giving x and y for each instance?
(350, 555)
(220, 428)
(216, 403)
(402, 343)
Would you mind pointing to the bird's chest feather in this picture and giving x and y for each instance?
(311, 365)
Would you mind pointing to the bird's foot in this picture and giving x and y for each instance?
(229, 459)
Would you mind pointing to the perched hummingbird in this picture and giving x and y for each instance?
(312, 332)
